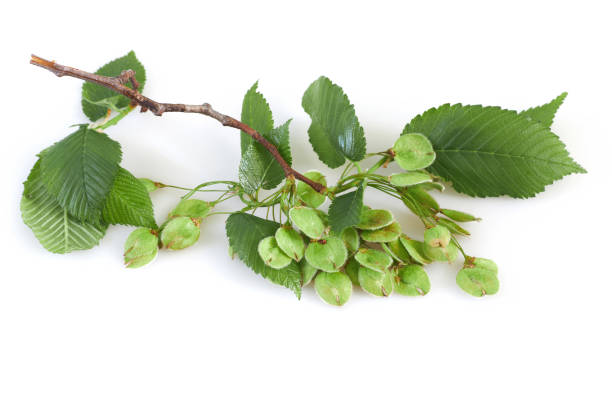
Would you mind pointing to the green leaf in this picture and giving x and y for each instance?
(258, 168)
(545, 113)
(79, 172)
(244, 232)
(97, 99)
(489, 151)
(57, 231)
(128, 202)
(257, 114)
(279, 136)
(345, 210)
(335, 132)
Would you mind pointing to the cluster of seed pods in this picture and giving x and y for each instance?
(181, 230)
(374, 255)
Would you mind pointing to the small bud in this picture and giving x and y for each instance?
(192, 208)
(150, 185)
(385, 234)
(271, 254)
(413, 151)
(141, 248)
(333, 288)
(180, 232)
(458, 216)
(374, 219)
(375, 282)
(308, 272)
(478, 281)
(328, 255)
(308, 221)
(412, 280)
(410, 178)
(373, 259)
(307, 194)
(437, 237)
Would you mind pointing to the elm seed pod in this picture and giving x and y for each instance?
(473, 262)
(307, 194)
(180, 232)
(333, 288)
(271, 254)
(150, 185)
(308, 221)
(437, 236)
(440, 254)
(409, 178)
(328, 255)
(412, 280)
(373, 259)
(413, 151)
(350, 236)
(191, 208)
(434, 185)
(478, 281)
(308, 272)
(453, 227)
(385, 234)
(459, 216)
(291, 242)
(374, 219)
(375, 282)
(352, 270)
(397, 248)
(415, 248)
(418, 193)
(141, 247)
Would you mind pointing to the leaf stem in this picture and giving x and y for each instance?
(115, 119)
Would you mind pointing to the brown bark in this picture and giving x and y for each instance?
(118, 84)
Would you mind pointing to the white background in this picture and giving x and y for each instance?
(198, 329)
